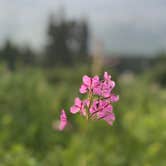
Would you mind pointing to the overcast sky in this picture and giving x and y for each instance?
(123, 25)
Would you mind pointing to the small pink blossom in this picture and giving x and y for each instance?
(63, 121)
(105, 89)
(108, 116)
(89, 83)
(79, 106)
(113, 98)
(107, 76)
(105, 86)
(102, 110)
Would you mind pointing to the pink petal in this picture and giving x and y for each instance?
(95, 78)
(94, 107)
(95, 81)
(107, 76)
(112, 84)
(110, 118)
(109, 108)
(86, 80)
(114, 98)
(63, 121)
(83, 112)
(78, 102)
(86, 102)
(97, 91)
(106, 93)
(83, 89)
(74, 109)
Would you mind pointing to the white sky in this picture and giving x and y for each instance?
(123, 25)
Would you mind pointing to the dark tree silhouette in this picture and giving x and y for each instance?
(10, 54)
(28, 56)
(67, 41)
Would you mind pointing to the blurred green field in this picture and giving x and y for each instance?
(30, 102)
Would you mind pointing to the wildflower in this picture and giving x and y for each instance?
(79, 106)
(63, 121)
(98, 104)
(89, 83)
(102, 110)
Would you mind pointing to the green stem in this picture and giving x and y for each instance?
(90, 97)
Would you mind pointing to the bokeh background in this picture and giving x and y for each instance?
(45, 49)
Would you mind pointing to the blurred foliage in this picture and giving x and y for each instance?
(158, 73)
(30, 101)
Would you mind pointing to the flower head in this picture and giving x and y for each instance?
(63, 121)
(98, 104)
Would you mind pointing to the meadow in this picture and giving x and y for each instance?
(31, 100)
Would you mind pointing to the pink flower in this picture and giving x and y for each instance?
(105, 89)
(108, 116)
(63, 121)
(101, 109)
(107, 76)
(105, 86)
(94, 108)
(98, 104)
(89, 83)
(113, 98)
(79, 106)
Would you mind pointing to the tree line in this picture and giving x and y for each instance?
(67, 43)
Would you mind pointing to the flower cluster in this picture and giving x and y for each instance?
(98, 104)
